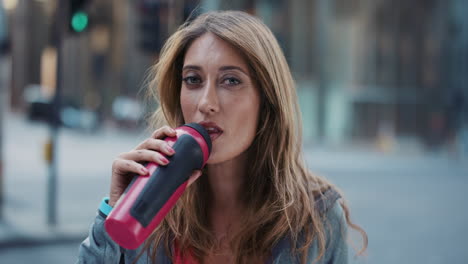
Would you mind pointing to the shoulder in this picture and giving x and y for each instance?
(327, 201)
(336, 235)
(335, 226)
(335, 222)
(329, 207)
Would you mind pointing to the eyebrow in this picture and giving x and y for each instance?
(223, 68)
(191, 67)
(227, 68)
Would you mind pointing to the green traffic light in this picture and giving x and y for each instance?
(79, 21)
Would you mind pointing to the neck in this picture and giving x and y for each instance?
(225, 180)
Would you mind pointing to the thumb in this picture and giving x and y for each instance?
(195, 175)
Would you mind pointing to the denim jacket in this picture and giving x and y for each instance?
(98, 247)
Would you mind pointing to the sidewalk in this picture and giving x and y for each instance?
(84, 176)
(83, 179)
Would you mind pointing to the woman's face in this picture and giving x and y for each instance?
(218, 92)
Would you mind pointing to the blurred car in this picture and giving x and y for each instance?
(127, 112)
(41, 108)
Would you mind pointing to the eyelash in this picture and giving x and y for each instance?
(186, 80)
(189, 80)
(232, 78)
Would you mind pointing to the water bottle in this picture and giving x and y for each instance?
(147, 200)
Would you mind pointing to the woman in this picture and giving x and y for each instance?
(255, 202)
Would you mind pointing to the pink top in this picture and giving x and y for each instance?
(187, 259)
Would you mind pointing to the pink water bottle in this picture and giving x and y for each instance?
(147, 200)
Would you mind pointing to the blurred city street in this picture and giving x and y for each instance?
(84, 174)
(382, 87)
(411, 204)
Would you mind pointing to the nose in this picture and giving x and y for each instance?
(209, 103)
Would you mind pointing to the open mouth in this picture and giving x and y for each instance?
(212, 128)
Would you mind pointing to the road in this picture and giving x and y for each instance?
(51, 254)
(411, 204)
(412, 207)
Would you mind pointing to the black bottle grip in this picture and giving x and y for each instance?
(166, 179)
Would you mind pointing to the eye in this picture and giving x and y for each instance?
(191, 80)
(231, 81)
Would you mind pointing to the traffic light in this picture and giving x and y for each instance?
(78, 19)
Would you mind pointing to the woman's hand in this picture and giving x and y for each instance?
(128, 164)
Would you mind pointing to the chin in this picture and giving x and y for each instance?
(225, 156)
(214, 159)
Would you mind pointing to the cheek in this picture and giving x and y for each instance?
(250, 121)
(247, 116)
(186, 104)
(242, 125)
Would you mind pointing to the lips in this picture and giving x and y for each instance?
(212, 128)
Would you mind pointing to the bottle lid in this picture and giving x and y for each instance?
(200, 129)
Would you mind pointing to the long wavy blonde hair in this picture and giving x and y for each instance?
(280, 192)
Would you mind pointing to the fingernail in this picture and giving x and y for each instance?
(169, 149)
(164, 160)
(144, 170)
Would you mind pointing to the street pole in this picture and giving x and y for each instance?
(322, 14)
(60, 31)
(2, 109)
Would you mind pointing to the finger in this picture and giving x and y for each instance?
(145, 155)
(158, 145)
(124, 167)
(195, 175)
(164, 131)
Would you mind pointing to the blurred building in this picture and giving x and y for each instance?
(109, 59)
(365, 69)
(372, 69)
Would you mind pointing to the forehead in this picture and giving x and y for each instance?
(210, 50)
